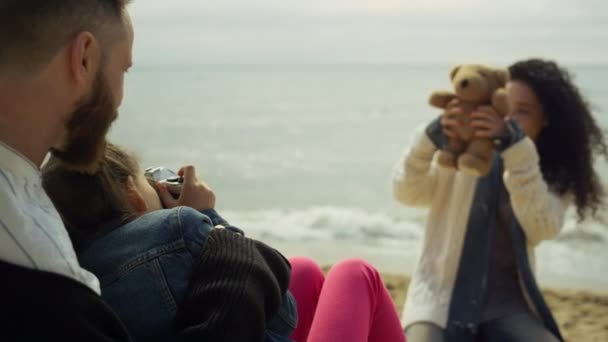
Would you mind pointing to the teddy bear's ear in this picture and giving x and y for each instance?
(454, 71)
(502, 75)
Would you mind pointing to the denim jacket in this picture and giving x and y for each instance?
(144, 267)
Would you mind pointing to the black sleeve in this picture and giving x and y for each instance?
(236, 287)
(41, 306)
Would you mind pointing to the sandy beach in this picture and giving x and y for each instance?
(582, 315)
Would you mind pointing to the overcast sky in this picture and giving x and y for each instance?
(352, 32)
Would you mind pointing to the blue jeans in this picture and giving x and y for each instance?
(523, 327)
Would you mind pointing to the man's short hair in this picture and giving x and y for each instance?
(33, 31)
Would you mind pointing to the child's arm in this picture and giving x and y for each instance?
(237, 284)
(540, 211)
(415, 178)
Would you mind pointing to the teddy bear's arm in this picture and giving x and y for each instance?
(440, 99)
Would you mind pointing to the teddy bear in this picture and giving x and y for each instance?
(474, 85)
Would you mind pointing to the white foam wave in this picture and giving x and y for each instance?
(392, 240)
(353, 224)
(326, 223)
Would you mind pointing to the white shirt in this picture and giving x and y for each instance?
(32, 233)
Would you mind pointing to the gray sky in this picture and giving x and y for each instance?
(288, 32)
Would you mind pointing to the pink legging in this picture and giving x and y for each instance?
(351, 304)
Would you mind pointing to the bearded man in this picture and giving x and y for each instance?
(62, 65)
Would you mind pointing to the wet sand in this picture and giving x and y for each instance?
(582, 315)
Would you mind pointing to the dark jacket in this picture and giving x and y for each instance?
(42, 306)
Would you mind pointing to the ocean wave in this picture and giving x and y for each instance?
(392, 240)
(326, 223)
(378, 227)
(591, 232)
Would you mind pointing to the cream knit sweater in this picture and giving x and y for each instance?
(418, 181)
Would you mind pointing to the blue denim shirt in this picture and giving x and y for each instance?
(144, 267)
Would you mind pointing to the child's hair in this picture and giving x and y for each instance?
(567, 145)
(88, 202)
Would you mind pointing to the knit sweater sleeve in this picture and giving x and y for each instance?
(540, 211)
(236, 287)
(415, 177)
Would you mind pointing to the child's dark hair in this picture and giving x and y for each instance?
(86, 202)
(572, 137)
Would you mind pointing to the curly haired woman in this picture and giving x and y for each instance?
(475, 278)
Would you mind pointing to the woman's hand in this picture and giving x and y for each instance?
(487, 123)
(449, 119)
(195, 193)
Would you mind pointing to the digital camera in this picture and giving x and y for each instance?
(166, 176)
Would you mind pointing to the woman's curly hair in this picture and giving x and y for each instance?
(572, 137)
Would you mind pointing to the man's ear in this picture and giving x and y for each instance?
(85, 57)
(502, 75)
(454, 71)
(135, 197)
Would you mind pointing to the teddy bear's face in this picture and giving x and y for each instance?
(477, 83)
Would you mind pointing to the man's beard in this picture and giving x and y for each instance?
(85, 143)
